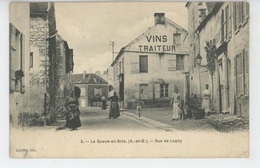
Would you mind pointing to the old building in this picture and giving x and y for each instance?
(64, 68)
(92, 87)
(151, 66)
(19, 61)
(226, 25)
(42, 57)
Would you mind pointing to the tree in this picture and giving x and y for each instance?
(210, 50)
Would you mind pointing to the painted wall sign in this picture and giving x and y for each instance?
(159, 46)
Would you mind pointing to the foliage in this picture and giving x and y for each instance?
(210, 50)
(194, 102)
(30, 119)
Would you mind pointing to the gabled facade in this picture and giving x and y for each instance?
(227, 24)
(92, 88)
(153, 65)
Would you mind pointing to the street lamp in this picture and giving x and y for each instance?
(198, 61)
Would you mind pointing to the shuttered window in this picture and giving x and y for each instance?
(177, 38)
(164, 90)
(180, 62)
(242, 73)
(241, 14)
(17, 60)
(143, 60)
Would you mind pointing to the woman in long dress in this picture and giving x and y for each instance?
(176, 104)
(72, 113)
(206, 100)
(114, 107)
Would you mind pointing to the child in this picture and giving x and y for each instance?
(139, 108)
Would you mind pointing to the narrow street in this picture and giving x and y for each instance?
(93, 118)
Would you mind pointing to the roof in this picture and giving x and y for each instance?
(38, 7)
(62, 40)
(168, 21)
(214, 10)
(90, 78)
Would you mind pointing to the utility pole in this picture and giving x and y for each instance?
(112, 43)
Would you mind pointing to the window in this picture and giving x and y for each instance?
(31, 59)
(83, 91)
(16, 60)
(164, 90)
(144, 91)
(176, 63)
(177, 38)
(242, 73)
(180, 62)
(143, 66)
(97, 91)
(241, 14)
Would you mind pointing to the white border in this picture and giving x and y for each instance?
(252, 161)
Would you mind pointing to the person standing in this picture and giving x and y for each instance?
(72, 113)
(104, 104)
(114, 107)
(176, 104)
(206, 100)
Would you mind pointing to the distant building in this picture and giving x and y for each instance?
(154, 64)
(92, 87)
(227, 23)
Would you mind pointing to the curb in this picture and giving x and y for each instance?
(148, 122)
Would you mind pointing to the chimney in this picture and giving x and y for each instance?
(84, 74)
(159, 18)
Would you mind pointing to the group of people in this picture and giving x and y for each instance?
(179, 112)
(73, 114)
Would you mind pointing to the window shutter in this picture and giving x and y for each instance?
(22, 63)
(150, 91)
(230, 21)
(235, 15)
(224, 13)
(134, 67)
(240, 9)
(157, 90)
(247, 9)
(137, 91)
(172, 64)
(12, 36)
(246, 63)
(235, 75)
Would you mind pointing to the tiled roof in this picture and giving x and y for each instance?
(90, 78)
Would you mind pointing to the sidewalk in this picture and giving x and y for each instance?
(163, 116)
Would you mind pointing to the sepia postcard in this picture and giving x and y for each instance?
(129, 79)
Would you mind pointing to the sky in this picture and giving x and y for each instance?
(90, 27)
